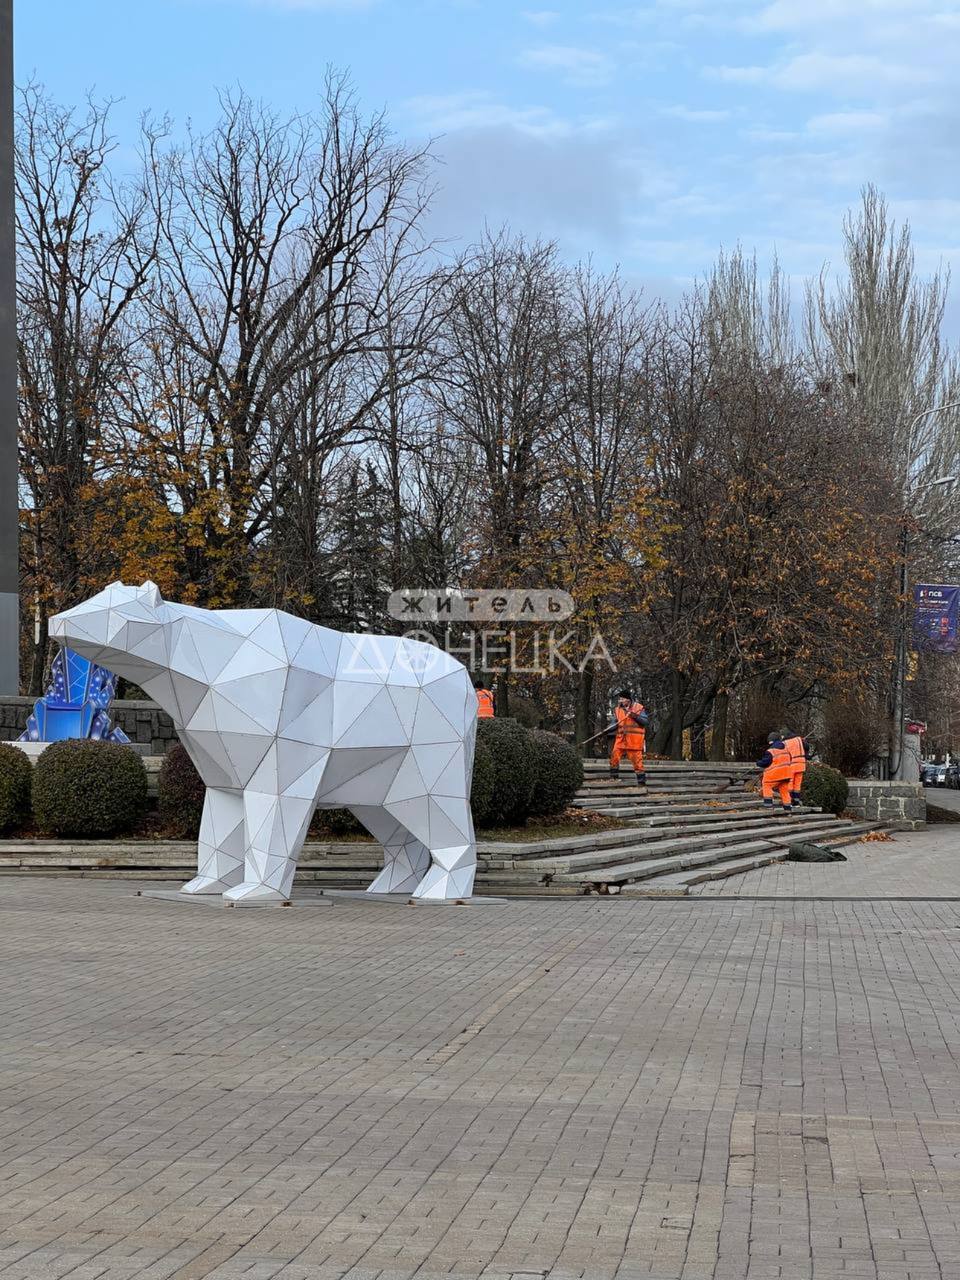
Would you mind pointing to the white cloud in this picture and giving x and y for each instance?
(541, 17)
(847, 122)
(739, 75)
(815, 15)
(695, 115)
(826, 72)
(447, 113)
(581, 67)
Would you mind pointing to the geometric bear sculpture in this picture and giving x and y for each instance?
(75, 704)
(280, 717)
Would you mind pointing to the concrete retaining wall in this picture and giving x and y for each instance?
(900, 805)
(142, 722)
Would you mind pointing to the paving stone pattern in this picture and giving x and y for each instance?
(683, 1090)
(922, 864)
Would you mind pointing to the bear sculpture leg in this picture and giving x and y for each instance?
(221, 845)
(276, 828)
(405, 858)
(445, 825)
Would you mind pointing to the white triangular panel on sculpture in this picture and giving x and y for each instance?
(184, 654)
(249, 660)
(359, 775)
(447, 695)
(278, 715)
(248, 754)
(432, 758)
(315, 721)
(149, 642)
(405, 702)
(319, 652)
(293, 632)
(268, 636)
(351, 700)
(431, 725)
(204, 716)
(232, 718)
(408, 782)
(259, 696)
(295, 758)
(378, 710)
(300, 689)
(365, 658)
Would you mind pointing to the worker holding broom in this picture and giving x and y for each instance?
(630, 736)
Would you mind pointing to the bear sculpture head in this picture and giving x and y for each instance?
(120, 628)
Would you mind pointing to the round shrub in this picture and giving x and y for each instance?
(83, 788)
(509, 747)
(557, 773)
(15, 776)
(483, 790)
(180, 794)
(824, 788)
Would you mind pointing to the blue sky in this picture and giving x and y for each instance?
(646, 135)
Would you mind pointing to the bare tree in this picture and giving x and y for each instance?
(270, 279)
(86, 250)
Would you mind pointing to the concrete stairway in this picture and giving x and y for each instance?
(695, 823)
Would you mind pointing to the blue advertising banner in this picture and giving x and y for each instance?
(936, 617)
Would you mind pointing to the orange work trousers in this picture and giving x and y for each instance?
(622, 747)
(796, 782)
(781, 786)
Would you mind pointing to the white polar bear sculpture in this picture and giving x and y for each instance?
(281, 716)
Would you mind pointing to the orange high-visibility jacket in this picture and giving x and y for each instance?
(484, 704)
(798, 753)
(781, 767)
(632, 735)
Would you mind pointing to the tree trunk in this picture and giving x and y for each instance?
(698, 741)
(676, 715)
(583, 720)
(718, 742)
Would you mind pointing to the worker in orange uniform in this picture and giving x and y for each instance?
(631, 735)
(777, 767)
(799, 755)
(485, 702)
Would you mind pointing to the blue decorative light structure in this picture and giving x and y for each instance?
(75, 705)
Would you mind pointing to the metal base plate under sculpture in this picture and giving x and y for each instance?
(210, 900)
(404, 899)
(281, 716)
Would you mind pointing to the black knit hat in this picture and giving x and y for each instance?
(624, 693)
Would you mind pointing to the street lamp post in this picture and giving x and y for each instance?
(900, 676)
(9, 494)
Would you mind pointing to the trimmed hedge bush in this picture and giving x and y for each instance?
(483, 791)
(825, 788)
(509, 747)
(180, 794)
(83, 788)
(15, 776)
(557, 773)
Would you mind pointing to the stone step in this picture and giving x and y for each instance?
(648, 868)
(738, 866)
(657, 842)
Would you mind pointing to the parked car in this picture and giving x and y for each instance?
(934, 775)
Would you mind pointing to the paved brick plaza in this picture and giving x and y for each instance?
(682, 1089)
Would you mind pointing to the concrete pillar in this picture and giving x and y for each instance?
(9, 499)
